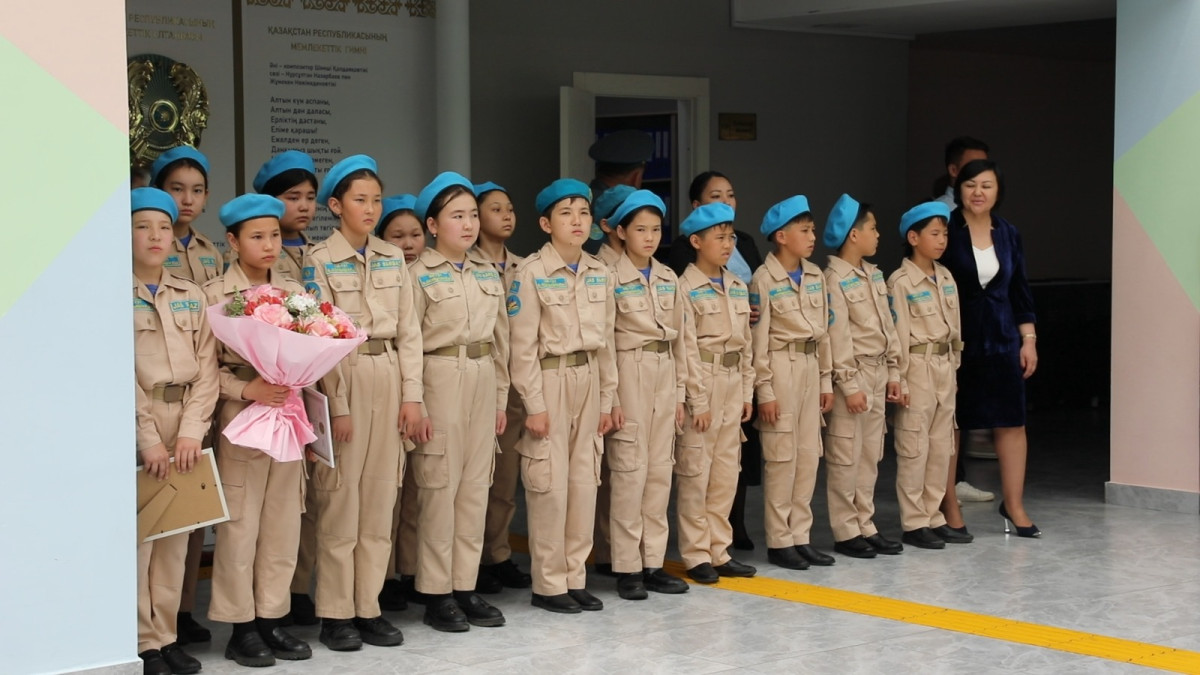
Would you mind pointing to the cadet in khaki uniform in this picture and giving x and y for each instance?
(176, 372)
(720, 389)
(791, 365)
(924, 301)
(291, 177)
(866, 357)
(561, 312)
(374, 397)
(255, 555)
(182, 172)
(650, 336)
(497, 220)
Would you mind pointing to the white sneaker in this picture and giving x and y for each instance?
(980, 444)
(969, 493)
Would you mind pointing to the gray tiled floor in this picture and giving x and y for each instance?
(1108, 570)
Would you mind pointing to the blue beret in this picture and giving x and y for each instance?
(920, 212)
(144, 198)
(560, 190)
(636, 201)
(446, 179)
(397, 203)
(628, 146)
(782, 213)
(841, 219)
(608, 201)
(174, 154)
(249, 206)
(339, 171)
(705, 216)
(284, 161)
(488, 187)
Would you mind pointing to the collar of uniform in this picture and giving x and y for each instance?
(431, 258)
(340, 249)
(141, 291)
(696, 278)
(844, 269)
(552, 261)
(606, 251)
(775, 268)
(916, 275)
(198, 241)
(235, 279)
(172, 281)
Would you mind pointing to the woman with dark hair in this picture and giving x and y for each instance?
(985, 256)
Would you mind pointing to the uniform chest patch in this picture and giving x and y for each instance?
(949, 289)
(208, 261)
(332, 269)
(705, 293)
(664, 289)
(550, 283)
(387, 264)
(427, 280)
(781, 292)
(814, 287)
(877, 276)
(633, 290)
(486, 275)
(920, 297)
(595, 280)
(185, 306)
(172, 261)
(738, 292)
(140, 305)
(850, 284)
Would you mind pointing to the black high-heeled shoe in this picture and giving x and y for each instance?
(1030, 532)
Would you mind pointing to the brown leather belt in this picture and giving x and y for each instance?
(728, 359)
(170, 393)
(933, 348)
(374, 346)
(579, 358)
(800, 346)
(657, 346)
(475, 350)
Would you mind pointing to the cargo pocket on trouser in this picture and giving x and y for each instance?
(233, 483)
(429, 463)
(535, 462)
(623, 451)
(910, 433)
(689, 454)
(779, 439)
(840, 448)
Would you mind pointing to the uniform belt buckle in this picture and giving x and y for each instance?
(730, 359)
(173, 393)
(477, 350)
(373, 347)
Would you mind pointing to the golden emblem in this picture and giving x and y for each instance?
(168, 106)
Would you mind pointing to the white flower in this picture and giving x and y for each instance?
(300, 304)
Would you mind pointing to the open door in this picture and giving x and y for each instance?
(576, 132)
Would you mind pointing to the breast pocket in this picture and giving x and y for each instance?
(952, 301)
(347, 292)
(186, 321)
(446, 303)
(637, 303)
(667, 301)
(784, 304)
(145, 333)
(385, 289)
(919, 310)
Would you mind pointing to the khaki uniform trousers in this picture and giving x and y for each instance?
(255, 555)
(853, 450)
(160, 562)
(306, 555)
(561, 473)
(706, 470)
(404, 524)
(502, 502)
(453, 471)
(640, 458)
(355, 500)
(601, 537)
(925, 441)
(792, 448)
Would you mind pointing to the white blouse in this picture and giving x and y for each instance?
(987, 263)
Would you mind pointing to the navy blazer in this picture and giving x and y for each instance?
(990, 315)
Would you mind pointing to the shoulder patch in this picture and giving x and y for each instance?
(513, 305)
(308, 273)
(313, 289)
(515, 287)
(755, 299)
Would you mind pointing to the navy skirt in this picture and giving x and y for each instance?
(991, 392)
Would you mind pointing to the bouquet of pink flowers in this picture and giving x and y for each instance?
(292, 340)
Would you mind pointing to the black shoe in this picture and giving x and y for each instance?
(409, 584)
(704, 574)
(510, 575)
(189, 631)
(179, 661)
(247, 647)
(379, 632)
(605, 569)
(743, 544)
(283, 644)
(561, 603)
(1029, 532)
(304, 612)
(587, 601)
(787, 558)
(856, 547)
(391, 598)
(444, 614)
(656, 579)
(733, 568)
(923, 537)
(954, 535)
(340, 635)
(153, 663)
(813, 556)
(631, 586)
(486, 582)
(883, 545)
(478, 611)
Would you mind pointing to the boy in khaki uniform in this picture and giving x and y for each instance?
(791, 366)
(182, 172)
(924, 301)
(720, 389)
(176, 372)
(866, 356)
(561, 311)
(291, 177)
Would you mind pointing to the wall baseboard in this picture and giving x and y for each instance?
(1154, 499)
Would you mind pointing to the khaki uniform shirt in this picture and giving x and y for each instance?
(788, 312)
(860, 323)
(199, 262)
(925, 309)
(290, 263)
(375, 290)
(461, 307)
(553, 312)
(216, 292)
(650, 310)
(608, 255)
(721, 321)
(173, 345)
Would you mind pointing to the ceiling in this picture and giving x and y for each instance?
(906, 19)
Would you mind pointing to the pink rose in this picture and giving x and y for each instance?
(346, 327)
(276, 315)
(319, 327)
(259, 294)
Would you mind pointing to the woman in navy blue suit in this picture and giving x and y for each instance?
(985, 255)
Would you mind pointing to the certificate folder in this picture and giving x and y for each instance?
(181, 503)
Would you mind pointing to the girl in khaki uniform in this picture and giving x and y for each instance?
(650, 336)
(924, 302)
(176, 372)
(464, 331)
(255, 555)
(291, 177)
(367, 279)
